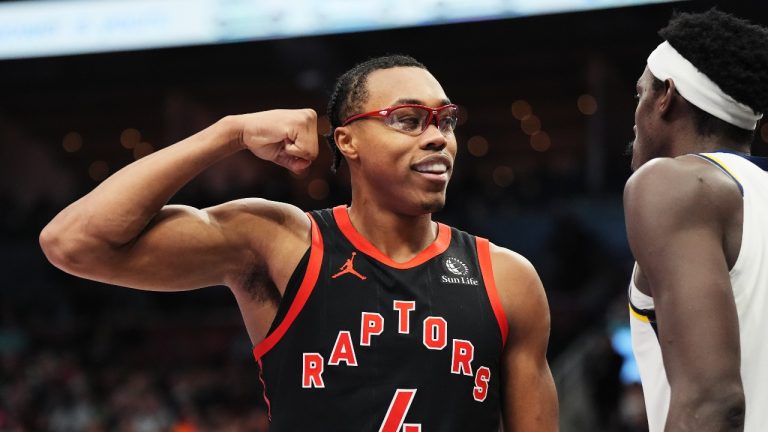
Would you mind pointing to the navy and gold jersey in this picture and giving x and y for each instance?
(364, 343)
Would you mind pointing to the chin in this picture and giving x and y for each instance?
(432, 206)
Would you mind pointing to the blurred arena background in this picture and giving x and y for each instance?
(547, 112)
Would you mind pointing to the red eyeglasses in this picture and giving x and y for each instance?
(414, 119)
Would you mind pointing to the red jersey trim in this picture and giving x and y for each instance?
(362, 244)
(264, 388)
(484, 256)
(305, 289)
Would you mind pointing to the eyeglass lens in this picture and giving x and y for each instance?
(413, 120)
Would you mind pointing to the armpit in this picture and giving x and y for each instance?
(259, 286)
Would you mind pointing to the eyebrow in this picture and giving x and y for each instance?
(407, 101)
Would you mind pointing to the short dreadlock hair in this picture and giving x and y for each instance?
(731, 52)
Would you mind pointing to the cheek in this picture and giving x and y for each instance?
(641, 116)
(452, 147)
(640, 108)
(385, 159)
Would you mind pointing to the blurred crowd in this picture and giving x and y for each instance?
(93, 378)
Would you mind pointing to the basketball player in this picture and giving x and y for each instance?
(696, 224)
(368, 317)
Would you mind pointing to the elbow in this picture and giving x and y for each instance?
(731, 411)
(52, 244)
(724, 407)
(61, 247)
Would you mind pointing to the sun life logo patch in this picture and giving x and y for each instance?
(459, 273)
(456, 266)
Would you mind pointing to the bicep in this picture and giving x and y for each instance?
(528, 391)
(182, 248)
(185, 248)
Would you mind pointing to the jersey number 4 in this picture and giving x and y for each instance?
(398, 409)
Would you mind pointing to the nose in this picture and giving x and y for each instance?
(432, 138)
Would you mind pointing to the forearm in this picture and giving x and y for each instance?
(116, 211)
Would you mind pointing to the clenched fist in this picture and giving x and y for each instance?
(285, 137)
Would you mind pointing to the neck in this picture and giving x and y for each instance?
(708, 144)
(398, 236)
(687, 141)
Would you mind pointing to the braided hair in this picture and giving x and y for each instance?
(351, 92)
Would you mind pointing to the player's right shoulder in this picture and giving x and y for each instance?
(262, 221)
(260, 210)
(272, 236)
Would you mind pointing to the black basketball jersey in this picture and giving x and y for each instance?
(363, 343)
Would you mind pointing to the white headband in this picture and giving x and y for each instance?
(665, 63)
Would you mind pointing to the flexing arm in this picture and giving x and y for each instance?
(123, 233)
(528, 395)
(677, 212)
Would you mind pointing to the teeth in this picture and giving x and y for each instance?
(436, 168)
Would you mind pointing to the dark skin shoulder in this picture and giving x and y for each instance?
(683, 219)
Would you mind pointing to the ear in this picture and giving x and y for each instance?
(667, 99)
(345, 142)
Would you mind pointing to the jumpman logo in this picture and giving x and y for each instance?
(348, 267)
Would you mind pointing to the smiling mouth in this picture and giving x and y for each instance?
(435, 168)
